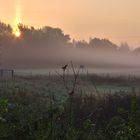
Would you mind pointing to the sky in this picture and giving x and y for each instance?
(117, 20)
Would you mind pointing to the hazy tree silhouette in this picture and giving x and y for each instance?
(124, 47)
(35, 41)
(102, 44)
(5, 28)
(81, 44)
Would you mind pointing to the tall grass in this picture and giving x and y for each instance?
(26, 115)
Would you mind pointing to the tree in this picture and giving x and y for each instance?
(102, 44)
(124, 47)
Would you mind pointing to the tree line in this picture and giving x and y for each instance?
(53, 37)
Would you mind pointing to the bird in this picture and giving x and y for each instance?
(64, 67)
(71, 93)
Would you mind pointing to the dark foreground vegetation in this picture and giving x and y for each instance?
(36, 116)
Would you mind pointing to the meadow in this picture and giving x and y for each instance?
(70, 107)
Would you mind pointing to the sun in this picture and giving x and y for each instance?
(17, 33)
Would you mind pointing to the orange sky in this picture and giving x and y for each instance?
(118, 20)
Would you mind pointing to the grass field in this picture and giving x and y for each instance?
(69, 107)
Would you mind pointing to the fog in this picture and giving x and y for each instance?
(50, 47)
(56, 57)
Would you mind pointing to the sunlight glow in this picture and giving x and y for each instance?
(18, 12)
(17, 20)
(17, 33)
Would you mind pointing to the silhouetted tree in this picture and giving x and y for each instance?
(124, 47)
(81, 44)
(102, 44)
